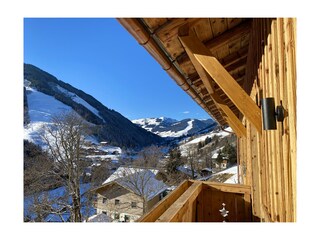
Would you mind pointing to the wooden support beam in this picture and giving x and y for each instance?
(225, 81)
(231, 118)
(179, 208)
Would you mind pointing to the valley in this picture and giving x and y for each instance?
(177, 149)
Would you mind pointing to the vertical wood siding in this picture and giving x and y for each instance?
(268, 161)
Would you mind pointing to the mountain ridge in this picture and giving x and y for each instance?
(111, 126)
(168, 127)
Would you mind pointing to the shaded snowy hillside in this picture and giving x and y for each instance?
(168, 127)
(46, 96)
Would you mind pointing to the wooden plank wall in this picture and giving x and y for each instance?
(268, 161)
(211, 202)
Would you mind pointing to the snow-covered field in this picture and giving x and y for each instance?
(41, 109)
(232, 170)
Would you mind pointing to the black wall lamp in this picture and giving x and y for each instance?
(270, 114)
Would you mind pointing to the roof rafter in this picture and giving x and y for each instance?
(229, 36)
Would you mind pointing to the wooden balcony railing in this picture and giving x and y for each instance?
(197, 201)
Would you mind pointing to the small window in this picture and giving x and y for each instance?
(133, 204)
(104, 200)
(162, 195)
(104, 212)
(116, 202)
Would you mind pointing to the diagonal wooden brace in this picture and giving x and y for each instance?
(231, 118)
(225, 81)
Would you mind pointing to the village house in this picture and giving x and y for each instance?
(129, 193)
(223, 164)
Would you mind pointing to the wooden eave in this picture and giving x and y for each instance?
(226, 38)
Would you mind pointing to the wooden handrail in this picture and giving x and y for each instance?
(228, 187)
(166, 202)
(175, 212)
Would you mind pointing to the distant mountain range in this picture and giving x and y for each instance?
(45, 96)
(168, 127)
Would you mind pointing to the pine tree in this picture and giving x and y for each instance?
(174, 161)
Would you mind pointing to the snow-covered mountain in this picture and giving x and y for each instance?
(168, 127)
(46, 96)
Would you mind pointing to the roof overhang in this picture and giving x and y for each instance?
(226, 38)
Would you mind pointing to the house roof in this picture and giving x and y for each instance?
(137, 180)
(125, 171)
(206, 169)
(102, 217)
(226, 38)
(143, 183)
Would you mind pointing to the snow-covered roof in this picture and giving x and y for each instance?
(233, 170)
(125, 171)
(102, 217)
(138, 180)
(233, 179)
(143, 183)
(207, 169)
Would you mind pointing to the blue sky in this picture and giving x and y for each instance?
(98, 56)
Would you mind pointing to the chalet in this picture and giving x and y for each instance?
(242, 72)
(224, 164)
(129, 193)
